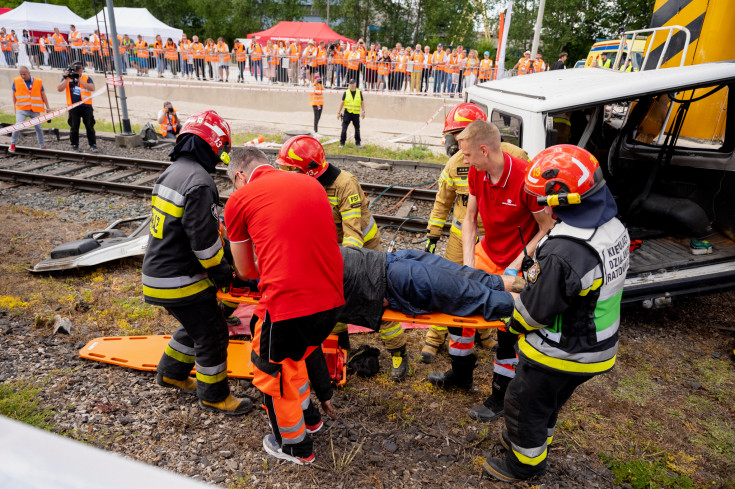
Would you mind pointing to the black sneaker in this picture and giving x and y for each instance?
(94, 149)
(75, 149)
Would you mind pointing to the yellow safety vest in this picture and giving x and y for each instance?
(352, 105)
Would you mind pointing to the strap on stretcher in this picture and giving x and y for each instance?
(435, 318)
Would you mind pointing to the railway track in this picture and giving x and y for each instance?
(136, 177)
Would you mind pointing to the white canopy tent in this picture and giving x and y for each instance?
(131, 21)
(42, 17)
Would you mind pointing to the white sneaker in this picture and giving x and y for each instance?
(270, 446)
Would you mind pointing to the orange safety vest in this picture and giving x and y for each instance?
(163, 129)
(42, 44)
(438, 61)
(338, 57)
(7, 44)
(294, 53)
(353, 62)
(59, 43)
(372, 60)
(157, 48)
(363, 55)
(486, 66)
(240, 54)
(223, 53)
(85, 47)
(197, 49)
(105, 47)
(141, 49)
(171, 54)
(453, 66)
(83, 91)
(28, 99)
(310, 55)
(273, 56)
(470, 66)
(94, 41)
(257, 52)
(383, 68)
(75, 38)
(539, 65)
(525, 66)
(315, 95)
(418, 58)
(401, 63)
(321, 57)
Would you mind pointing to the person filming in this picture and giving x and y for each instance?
(79, 88)
(169, 124)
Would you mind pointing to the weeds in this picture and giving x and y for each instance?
(19, 401)
(644, 474)
(12, 304)
(342, 462)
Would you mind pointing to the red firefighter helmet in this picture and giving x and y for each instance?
(563, 174)
(209, 126)
(304, 153)
(462, 116)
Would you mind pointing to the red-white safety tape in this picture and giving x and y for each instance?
(426, 124)
(48, 115)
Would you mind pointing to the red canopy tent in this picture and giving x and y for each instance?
(301, 32)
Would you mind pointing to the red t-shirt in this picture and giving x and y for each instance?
(503, 207)
(289, 219)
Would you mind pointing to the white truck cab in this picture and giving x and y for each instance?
(665, 140)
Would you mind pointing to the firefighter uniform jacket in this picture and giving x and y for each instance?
(185, 258)
(355, 223)
(569, 312)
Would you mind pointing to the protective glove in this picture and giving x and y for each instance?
(511, 272)
(431, 244)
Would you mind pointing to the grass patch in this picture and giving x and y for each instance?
(644, 474)
(61, 123)
(637, 388)
(19, 401)
(239, 138)
(414, 153)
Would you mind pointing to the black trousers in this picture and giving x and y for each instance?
(532, 404)
(199, 68)
(346, 119)
(354, 74)
(317, 115)
(84, 113)
(202, 338)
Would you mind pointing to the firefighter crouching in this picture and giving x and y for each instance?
(569, 312)
(452, 196)
(355, 227)
(184, 265)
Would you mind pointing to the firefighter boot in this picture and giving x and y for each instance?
(493, 407)
(435, 337)
(498, 468)
(485, 338)
(460, 375)
(231, 405)
(187, 385)
(399, 366)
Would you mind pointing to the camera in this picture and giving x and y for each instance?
(171, 110)
(71, 72)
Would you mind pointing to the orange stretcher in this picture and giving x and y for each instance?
(144, 352)
(245, 296)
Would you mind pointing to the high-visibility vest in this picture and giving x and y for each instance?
(273, 56)
(372, 60)
(453, 66)
(257, 52)
(157, 48)
(75, 38)
(525, 66)
(59, 43)
(294, 52)
(185, 49)
(85, 47)
(94, 42)
(401, 63)
(353, 105)
(438, 61)
(28, 99)
(197, 48)
(418, 61)
(470, 67)
(223, 51)
(539, 65)
(606, 64)
(163, 129)
(363, 55)
(42, 44)
(321, 57)
(171, 53)
(240, 54)
(315, 95)
(628, 69)
(353, 62)
(486, 66)
(6, 43)
(383, 67)
(83, 91)
(310, 55)
(211, 53)
(120, 46)
(105, 47)
(338, 57)
(141, 49)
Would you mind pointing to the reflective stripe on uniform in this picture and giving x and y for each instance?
(211, 256)
(462, 345)
(212, 375)
(371, 230)
(530, 456)
(178, 293)
(391, 331)
(350, 241)
(304, 388)
(333, 201)
(505, 367)
(536, 349)
(172, 282)
(292, 434)
(351, 214)
(169, 194)
(433, 221)
(177, 355)
(167, 207)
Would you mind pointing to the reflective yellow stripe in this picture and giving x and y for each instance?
(351, 214)
(519, 317)
(167, 207)
(350, 241)
(454, 229)
(339, 328)
(179, 293)
(212, 379)
(372, 233)
(333, 200)
(528, 460)
(595, 285)
(433, 221)
(563, 365)
(214, 261)
(178, 355)
(438, 328)
(391, 332)
(561, 120)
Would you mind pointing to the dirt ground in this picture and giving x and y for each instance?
(664, 417)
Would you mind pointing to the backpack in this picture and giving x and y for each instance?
(364, 361)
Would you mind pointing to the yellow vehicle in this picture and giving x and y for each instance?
(611, 47)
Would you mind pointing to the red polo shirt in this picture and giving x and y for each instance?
(503, 207)
(289, 219)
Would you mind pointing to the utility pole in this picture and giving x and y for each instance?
(503, 42)
(537, 29)
(126, 129)
(327, 12)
